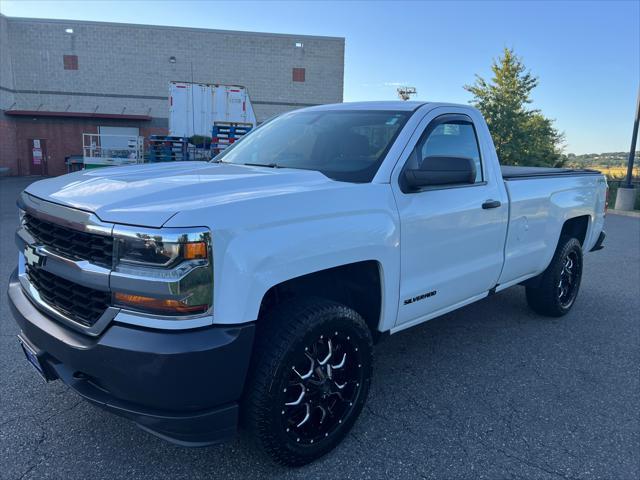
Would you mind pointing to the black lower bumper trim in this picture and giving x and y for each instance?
(190, 429)
(182, 386)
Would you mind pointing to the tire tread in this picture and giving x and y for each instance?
(543, 299)
(277, 332)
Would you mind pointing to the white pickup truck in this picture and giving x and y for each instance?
(193, 297)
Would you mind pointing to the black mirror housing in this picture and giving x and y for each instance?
(441, 170)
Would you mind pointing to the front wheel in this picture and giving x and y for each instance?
(560, 282)
(309, 379)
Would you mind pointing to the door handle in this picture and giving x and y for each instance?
(491, 204)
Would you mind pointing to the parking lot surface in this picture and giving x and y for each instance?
(490, 391)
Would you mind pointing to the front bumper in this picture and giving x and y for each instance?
(183, 386)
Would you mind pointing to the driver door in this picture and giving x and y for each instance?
(451, 242)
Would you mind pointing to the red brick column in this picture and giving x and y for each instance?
(8, 147)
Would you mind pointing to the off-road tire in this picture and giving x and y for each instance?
(281, 335)
(544, 298)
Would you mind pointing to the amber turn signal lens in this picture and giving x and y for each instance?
(159, 305)
(195, 251)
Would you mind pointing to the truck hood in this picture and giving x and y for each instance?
(149, 195)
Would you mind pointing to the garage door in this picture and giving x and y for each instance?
(120, 138)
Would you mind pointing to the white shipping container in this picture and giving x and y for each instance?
(194, 108)
(190, 107)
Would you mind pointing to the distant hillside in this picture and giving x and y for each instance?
(612, 164)
(609, 159)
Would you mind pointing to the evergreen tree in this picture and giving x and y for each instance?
(522, 135)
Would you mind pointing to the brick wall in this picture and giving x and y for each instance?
(7, 97)
(8, 150)
(8, 156)
(63, 138)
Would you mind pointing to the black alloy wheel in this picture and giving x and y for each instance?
(554, 292)
(324, 382)
(567, 286)
(309, 379)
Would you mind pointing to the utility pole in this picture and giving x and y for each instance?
(626, 196)
(634, 137)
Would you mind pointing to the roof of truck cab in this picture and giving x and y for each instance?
(393, 105)
(397, 105)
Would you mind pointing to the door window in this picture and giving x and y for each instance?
(449, 136)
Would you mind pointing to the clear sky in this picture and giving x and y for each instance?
(586, 53)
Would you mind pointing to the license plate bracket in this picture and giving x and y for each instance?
(34, 357)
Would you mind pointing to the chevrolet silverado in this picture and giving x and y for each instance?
(249, 291)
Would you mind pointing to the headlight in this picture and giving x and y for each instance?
(154, 250)
(177, 262)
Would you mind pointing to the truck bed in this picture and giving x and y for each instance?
(517, 173)
(538, 209)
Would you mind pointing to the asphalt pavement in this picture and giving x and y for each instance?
(491, 391)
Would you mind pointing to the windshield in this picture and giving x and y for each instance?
(346, 145)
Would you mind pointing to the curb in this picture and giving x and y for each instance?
(623, 213)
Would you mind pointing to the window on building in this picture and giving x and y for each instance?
(298, 74)
(70, 62)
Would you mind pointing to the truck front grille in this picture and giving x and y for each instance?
(81, 304)
(97, 249)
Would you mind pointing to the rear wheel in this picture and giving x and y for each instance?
(559, 284)
(309, 379)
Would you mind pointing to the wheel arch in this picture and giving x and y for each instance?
(576, 227)
(358, 285)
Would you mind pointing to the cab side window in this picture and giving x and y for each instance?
(450, 138)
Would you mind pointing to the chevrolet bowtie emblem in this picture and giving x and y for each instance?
(32, 257)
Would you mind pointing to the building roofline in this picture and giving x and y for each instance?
(47, 113)
(70, 23)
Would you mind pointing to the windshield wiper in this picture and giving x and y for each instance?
(268, 165)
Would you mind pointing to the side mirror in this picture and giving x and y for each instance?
(441, 170)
